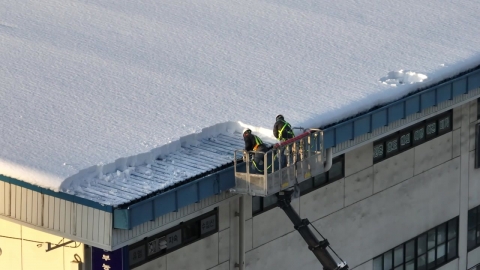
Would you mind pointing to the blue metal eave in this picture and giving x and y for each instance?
(400, 109)
(60, 195)
(172, 200)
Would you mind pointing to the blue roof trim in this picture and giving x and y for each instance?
(402, 108)
(60, 195)
(172, 200)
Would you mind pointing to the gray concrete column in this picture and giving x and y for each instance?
(464, 163)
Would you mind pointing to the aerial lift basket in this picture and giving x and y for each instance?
(286, 164)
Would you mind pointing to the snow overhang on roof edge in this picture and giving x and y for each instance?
(192, 192)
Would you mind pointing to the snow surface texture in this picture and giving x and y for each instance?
(89, 88)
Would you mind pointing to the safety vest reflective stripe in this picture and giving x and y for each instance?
(258, 141)
(281, 131)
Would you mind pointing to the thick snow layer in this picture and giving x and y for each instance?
(86, 85)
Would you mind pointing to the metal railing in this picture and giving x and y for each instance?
(286, 164)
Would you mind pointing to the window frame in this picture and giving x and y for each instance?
(425, 253)
(411, 131)
(182, 226)
(475, 228)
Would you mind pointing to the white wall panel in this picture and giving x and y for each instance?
(457, 117)
(322, 201)
(248, 234)
(473, 182)
(472, 133)
(224, 245)
(472, 113)
(358, 186)
(453, 265)
(456, 143)
(473, 258)
(433, 153)
(379, 222)
(223, 266)
(394, 170)
(287, 252)
(202, 255)
(157, 264)
(358, 159)
(365, 266)
(271, 225)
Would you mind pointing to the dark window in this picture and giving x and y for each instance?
(418, 135)
(473, 234)
(262, 204)
(179, 236)
(444, 124)
(431, 129)
(405, 140)
(434, 248)
(336, 172)
(478, 108)
(391, 147)
(378, 151)
(412, 136)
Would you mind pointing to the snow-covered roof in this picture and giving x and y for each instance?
(91, 89)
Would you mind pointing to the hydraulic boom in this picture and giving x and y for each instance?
(319, 248)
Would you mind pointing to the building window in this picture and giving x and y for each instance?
(336, 172)
(412, 136)
(427, 251)
(478, 109)
(473, 228)
(185, 233)
(262, 204)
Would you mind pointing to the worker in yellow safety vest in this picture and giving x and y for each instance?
(254, 143)
(282, 130)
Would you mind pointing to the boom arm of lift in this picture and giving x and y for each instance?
(319, 248)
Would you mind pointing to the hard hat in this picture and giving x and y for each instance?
(279, 117)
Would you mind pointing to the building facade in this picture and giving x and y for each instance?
(402, 193)
(407, 200)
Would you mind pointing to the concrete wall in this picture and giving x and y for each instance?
(374, 208)
(23, 248)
